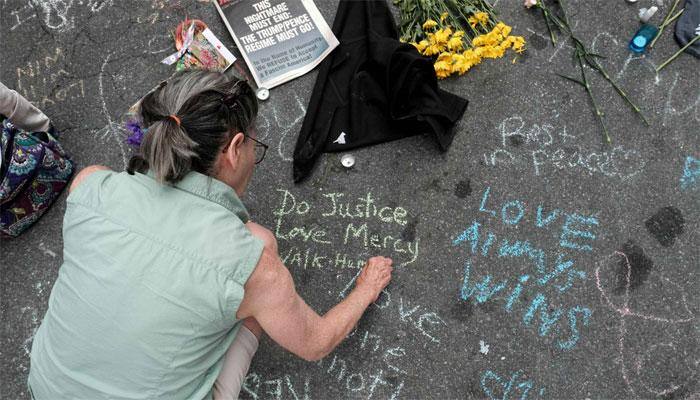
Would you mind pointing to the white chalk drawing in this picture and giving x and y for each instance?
(687, 106)
(548, 148)
(44, 82)
(112, 129)
(22, 15)
(259, 388)
(625, 312)
(671, 110)
(46, 250)
(285, 126)
(483, 347)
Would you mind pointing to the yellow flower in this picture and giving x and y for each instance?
(444, 56)
(429, 24)
(443, 69)
(440, 36)
(471, 58)
(455, 43)
(493, 52)
(459, 64)
(505, 30)
(518, 44)
(433, 48)
(479, 41)
(478, 18)
(458, 34)
(443, 16)
(420, 46)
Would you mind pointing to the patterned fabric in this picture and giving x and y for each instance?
(35, 170)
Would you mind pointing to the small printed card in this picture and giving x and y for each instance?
(201, 50)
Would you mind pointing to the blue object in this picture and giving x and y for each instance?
(643, 37)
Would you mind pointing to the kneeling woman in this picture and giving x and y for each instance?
(166, 284)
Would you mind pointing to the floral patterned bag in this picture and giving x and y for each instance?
(34, 170)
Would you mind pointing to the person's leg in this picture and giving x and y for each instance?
(21, 112)
(237, 361)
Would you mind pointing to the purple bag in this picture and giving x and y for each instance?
(34, 170)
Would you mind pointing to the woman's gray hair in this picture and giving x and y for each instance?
(189, 119)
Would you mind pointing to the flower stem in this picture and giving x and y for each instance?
(663, 25)
(675, 17)
(583, 55)
(547, 20)
(678, 53)
(580, 55)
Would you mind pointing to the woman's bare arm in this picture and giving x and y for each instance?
(271, 298)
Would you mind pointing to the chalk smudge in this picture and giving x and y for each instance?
(624, 311)
(463, 189)
(666, 225)
(691, 172)
(636, 264)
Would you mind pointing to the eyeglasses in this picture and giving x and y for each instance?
(260, 149)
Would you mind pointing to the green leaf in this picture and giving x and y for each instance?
(596, 55)
(572, 79)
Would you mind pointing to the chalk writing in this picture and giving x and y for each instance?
(259, 388)
(691, 172)
(428, 323)
(516, 387)
(281, 122)
(362, 212)
(44, 82)
(577, 233)
(551, 148)
(625, 312)
(368, 381)
(54, 14)
(112, 129)
(691, 107)
(21, 15)
(644, 70)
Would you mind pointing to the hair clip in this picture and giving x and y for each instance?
(229, 100)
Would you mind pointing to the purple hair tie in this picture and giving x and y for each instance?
(136, 135)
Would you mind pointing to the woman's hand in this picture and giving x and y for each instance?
(374, 277)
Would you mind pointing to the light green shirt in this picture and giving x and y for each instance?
(145, 302)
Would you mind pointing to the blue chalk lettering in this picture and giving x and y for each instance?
(527, 385)
(568, 234)
(482, 289)
(515, 294)
(487, 244)
(546, 319)
(540, 223)
(510, 220)
(570, 277)
(691, 172)
(471, 234)
(518, 249)
(569, 344)
(483, 202)
(506, 386)
(560, 267)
